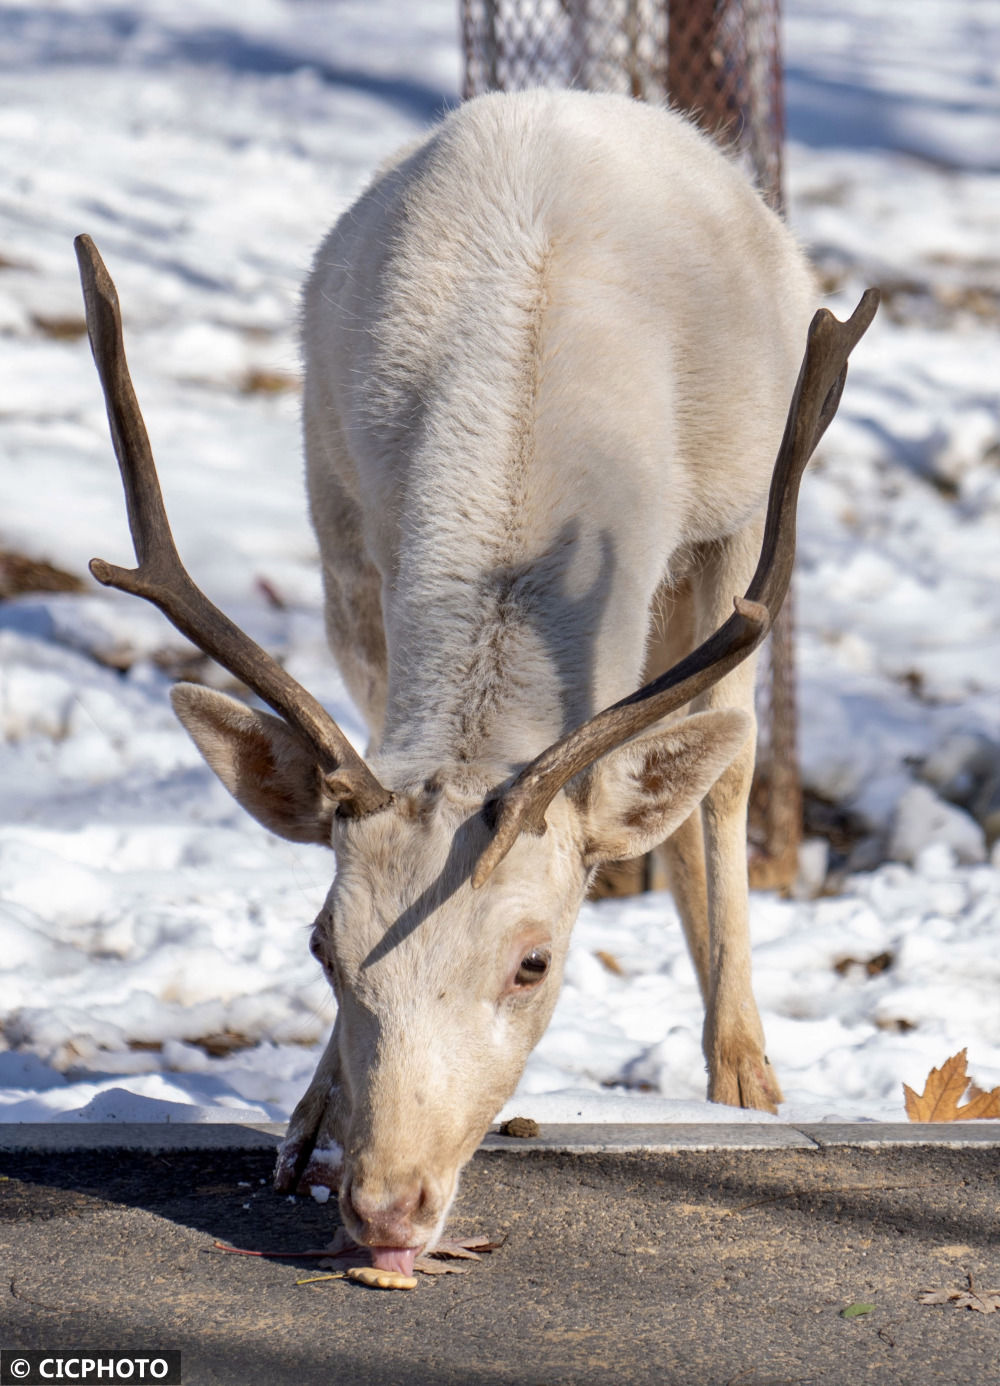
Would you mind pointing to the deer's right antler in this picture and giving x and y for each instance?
(162, 579)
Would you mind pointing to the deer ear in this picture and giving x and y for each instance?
(265, 765)
(646, 788)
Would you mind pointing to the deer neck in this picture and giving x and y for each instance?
(489, 669)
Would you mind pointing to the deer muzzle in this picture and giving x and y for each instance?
(396, 1217)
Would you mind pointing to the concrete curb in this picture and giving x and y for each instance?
(580, 1139)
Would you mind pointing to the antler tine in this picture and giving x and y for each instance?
(814, 403)
(161, 577)
(521, 808)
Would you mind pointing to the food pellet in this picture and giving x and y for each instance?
(382, 1279)
(524, 1127)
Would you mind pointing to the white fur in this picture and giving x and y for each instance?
(548, 357)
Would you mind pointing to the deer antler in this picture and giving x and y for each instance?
(521, 807)
(161, 577)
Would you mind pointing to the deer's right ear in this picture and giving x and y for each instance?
(648, 787)
(266, 766)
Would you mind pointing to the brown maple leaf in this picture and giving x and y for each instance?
(943, 1093)
(983, 1301)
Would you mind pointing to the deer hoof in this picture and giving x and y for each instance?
(306, 1162)
(748, 1081)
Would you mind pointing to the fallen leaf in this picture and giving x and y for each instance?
(427, 1266)
(447, 1258)
(985, 1304)
(854, 1311)
(943, 1092)
(982, 1301)
(467, 1250)
(439, 1261)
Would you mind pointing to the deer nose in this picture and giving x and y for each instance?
(387, 1215)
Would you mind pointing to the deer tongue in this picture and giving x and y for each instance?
(395, 1258)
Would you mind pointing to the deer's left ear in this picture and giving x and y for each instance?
(645, 789)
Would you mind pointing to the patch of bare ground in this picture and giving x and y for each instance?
(966, 293)
(59, 327)
(20, 575)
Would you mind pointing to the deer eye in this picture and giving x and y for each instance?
(534, 966)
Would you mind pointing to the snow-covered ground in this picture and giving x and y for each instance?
(153, 959)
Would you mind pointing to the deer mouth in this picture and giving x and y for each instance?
(395, 1258)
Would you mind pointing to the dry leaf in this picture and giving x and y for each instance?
(427, 1266)
(467, 1249)
(943, 1093)
(447, 1258)
(983, 1301)
(441, 1261)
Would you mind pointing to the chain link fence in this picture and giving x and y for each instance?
(720, 61)
(717, 59)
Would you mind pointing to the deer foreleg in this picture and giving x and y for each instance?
(311, 1155)
(739, 1073)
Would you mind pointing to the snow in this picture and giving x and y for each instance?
(153, 958)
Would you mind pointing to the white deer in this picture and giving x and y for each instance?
(548, 355)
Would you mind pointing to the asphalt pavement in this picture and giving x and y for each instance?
(716, 1255)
